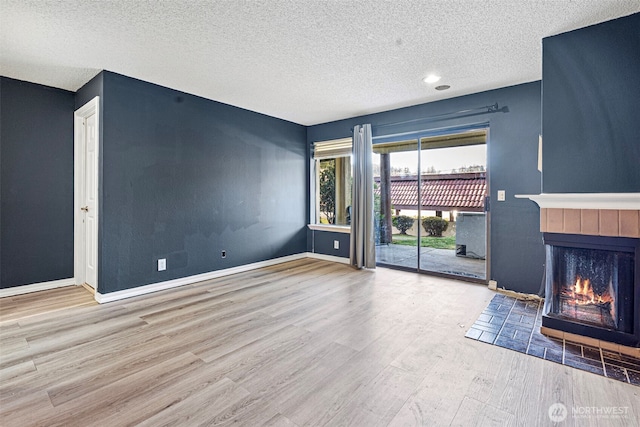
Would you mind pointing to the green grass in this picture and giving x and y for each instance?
(426, 242)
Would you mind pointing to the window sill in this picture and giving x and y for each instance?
(333, 228)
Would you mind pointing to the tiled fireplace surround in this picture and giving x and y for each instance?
(594, 222)
(610, 215)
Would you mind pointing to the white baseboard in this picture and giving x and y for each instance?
(36, 287)
(182, 281)
(160, 286)
(331, 258)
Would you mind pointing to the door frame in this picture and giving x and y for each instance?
(418, 135)
(488, 210)
(79, 231)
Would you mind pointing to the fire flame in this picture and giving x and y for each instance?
(584, 294)
(579, 301)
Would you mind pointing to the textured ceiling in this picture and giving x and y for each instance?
(301, 60)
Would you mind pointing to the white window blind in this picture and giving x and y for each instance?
(332, 149)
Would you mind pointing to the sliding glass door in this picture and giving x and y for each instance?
(429, 203)
(453, 219)
(395, 171)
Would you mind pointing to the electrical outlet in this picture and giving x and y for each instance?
(162, 264)
(501, 195)
(336, 244)
(223, 254)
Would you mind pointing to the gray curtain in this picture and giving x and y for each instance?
(363, 252)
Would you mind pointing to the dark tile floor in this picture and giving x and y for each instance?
(515, 324)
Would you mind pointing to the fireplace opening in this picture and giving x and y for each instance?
(592, 287)
(586, 283)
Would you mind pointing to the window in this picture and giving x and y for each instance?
(333, 179)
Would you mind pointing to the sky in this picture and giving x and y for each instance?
(443, 159)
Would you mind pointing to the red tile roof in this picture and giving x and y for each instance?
(440, 192)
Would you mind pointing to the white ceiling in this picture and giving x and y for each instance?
(307, 61)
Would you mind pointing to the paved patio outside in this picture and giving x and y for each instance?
(437, 260)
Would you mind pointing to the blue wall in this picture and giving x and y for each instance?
(184, 178)
(36, 183)
(591, 109)
(322, 242)
(90, 90)
(517, 253)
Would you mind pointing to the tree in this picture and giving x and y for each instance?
(377, 221)
(472, 168)
(386, 226)
(328, 189)
(434, 226)
(431, 169)
(403, 223)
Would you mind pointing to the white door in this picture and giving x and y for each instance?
(89, 204)
(86, 194)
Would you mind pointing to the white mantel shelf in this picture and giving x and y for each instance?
(618, 201)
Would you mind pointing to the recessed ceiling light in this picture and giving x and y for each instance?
(442, 87)
(431, 78)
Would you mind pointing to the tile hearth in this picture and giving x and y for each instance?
(515, 324)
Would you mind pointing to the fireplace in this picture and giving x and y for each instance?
(592, 271)
(592, 287)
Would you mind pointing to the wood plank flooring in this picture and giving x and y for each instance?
(303, 343)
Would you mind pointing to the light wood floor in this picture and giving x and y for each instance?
(302, 343)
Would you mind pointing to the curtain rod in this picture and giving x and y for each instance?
(487, 109)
